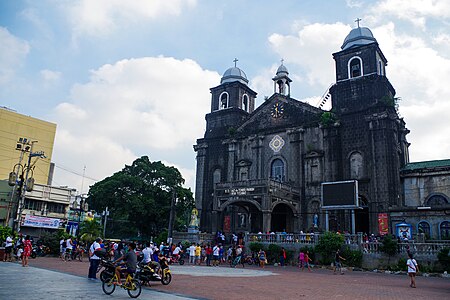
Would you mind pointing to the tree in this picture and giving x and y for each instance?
(139, 197)
(389, 246)
(329, 242)
(90, 230)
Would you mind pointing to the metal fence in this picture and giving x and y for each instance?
(355, 241)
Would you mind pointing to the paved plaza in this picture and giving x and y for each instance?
(50, 278)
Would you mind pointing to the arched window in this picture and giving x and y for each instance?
(216, 176)
(425, 228)
(437, 200)
(356, 165)
(277, 170)
(245, 103)
(444, 230)
(223, 100)
(355, 67)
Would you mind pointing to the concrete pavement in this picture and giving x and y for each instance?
(17, 283)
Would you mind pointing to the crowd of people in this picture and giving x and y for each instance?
(19, 249)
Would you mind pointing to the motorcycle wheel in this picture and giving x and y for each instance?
(33, 254)
(166, 278)
(181, 261)
(250, 262)
(105, 276)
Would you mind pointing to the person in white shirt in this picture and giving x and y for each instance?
(216, 251)
(94, 260)
(413, 269)
(192, 253)
(148, 252)
(176, 251)
(69, 246)
(8, 248)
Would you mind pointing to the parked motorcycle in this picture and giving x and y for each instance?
(40, 250)
(108, 271)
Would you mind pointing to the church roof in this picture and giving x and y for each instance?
(357, 37)
(234, 74)
(427, 165)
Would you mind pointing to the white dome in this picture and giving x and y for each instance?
(357, 37)
(234, 74)
(282, 70)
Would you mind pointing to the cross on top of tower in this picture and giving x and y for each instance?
(357, 21)
(235, 61)
(282, 60)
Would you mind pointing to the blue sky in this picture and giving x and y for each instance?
(128, 78)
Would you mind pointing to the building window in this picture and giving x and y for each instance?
(216, 176)
(223, 100)
(245, 103)
(32, 204)
(380, 68)
(424, 228)
(56, 208)
(356, 165)
(355, 67)
(437, 200)
(444, 230)
(277, 170)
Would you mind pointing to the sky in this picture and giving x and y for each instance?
(123, 79)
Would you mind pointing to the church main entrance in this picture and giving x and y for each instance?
(241, 217)
(282, 219)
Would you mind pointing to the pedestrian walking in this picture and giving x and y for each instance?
(307, 259)
(27, 247)
(262, 258)
(192, 254)
(337, 262)
(8, 249)
(282, 256)
(413, 269)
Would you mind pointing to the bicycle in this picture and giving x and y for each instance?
(132, 286)
(68, 255)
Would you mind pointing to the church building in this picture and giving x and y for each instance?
(261, 169)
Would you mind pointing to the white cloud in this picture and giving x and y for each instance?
(50, 76)
(155, 104)
(310, 48)
(13, 52)
(415, 11)
(354, 3)
(419, 73)
(101, 17)
(420, 76)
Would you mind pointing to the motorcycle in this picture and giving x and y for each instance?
(108, 271)
(39, 251)
(176, 259)
(148, 272)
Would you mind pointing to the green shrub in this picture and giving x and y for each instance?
(401, 265)
(162, 237)
(352, 257)
(273, 253)
(329, 242)
(389, 246)
(255, 247)
(5, 231)
(444, 258)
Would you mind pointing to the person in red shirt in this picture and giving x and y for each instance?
(208, 252)
(27, 247)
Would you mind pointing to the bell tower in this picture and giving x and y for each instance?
(231, 102)
(373, 144)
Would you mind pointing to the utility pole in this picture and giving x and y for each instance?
(25, 183)
(171, 217)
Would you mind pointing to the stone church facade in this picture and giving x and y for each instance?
(261, 169)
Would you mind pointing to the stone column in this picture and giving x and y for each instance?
(267, 219)
(199, 179)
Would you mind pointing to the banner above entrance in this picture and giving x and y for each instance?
(41, 222)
